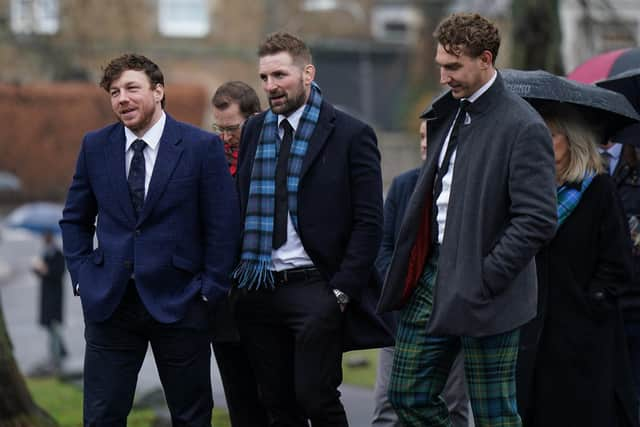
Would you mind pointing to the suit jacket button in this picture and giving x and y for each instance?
(138, 232)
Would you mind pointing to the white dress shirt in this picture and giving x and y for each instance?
(443, 199)
(292, 253)
(150, 153)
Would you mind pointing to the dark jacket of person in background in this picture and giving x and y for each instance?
(51, 286)
(397, 198)
(626, 177)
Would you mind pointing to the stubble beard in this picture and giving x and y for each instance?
(290, 105)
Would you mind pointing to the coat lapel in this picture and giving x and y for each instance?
(169, 152)
(251, 135)
(321, 133)
(115, 157)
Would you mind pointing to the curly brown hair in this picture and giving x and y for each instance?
(468, 33)
(286, 42)
(131, 61)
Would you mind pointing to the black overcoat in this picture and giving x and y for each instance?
(51, 295)
(574, 368)
(339, 214)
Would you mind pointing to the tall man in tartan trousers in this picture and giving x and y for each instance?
(463, 272)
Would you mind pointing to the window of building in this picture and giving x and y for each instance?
(35, 16)
(397, 24)
(183, 18)
(319, 5)
(615, 34)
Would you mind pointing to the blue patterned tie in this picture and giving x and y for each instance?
(137, 175)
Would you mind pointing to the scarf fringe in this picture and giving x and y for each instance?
(254, 270)
(254, 275)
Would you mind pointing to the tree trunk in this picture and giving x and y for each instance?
(536, 35)
(17, 408)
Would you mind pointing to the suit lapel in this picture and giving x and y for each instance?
(115, 156)
(169, 152)
(251, 139)
(321, 133)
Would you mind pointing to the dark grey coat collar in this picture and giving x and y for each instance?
(446, 104)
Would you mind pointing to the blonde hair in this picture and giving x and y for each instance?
(583, 139)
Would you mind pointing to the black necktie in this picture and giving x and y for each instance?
(137, 175)
(281, 203)
(444, 167)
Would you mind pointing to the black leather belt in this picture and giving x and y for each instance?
(294, 275)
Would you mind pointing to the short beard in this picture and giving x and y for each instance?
(291, 105)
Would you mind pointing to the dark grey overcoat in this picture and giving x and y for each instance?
(502, 209)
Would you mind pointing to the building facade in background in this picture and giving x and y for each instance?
(590, 27)
(361, 45)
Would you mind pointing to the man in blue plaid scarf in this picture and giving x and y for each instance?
(311, 197)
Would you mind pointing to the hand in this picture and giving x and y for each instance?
(39, 266)
(601, 303)
(343, 299)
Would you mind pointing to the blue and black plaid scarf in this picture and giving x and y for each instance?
(254, 269)
(569, 195)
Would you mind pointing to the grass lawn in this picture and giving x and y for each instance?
(64, 403)
(362, 376)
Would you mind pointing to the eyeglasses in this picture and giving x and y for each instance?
(226, 129)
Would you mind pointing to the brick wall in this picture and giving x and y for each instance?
(43, 126)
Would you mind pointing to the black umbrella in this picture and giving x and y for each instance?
(628, 84)
(605, 107)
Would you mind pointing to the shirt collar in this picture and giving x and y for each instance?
(485, 87)
(294, 118)
(151, 137)
(615, 150)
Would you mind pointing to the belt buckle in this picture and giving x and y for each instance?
(285, 277)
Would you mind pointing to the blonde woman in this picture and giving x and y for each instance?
(578, 372)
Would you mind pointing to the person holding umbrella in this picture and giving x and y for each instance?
(572, 367)
(41, 219)
(578, 373)
(50, 269)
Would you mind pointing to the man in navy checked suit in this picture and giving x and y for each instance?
(167, 231)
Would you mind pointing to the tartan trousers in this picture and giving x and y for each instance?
(422, 362)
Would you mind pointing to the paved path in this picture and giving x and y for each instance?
(19, 293)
